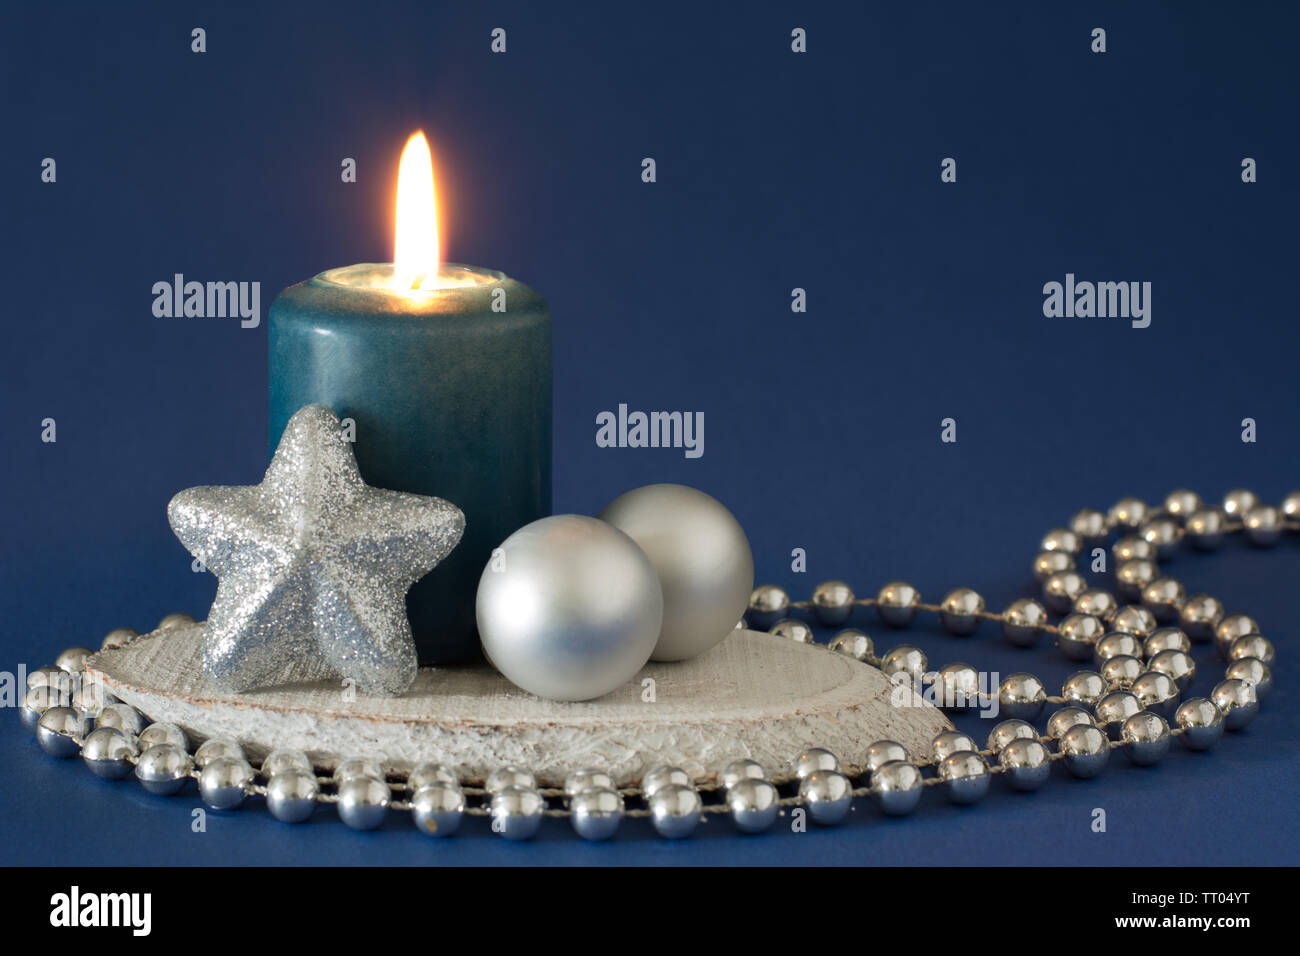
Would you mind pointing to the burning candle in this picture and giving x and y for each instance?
(446, 371)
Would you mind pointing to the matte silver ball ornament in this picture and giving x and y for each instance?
(704, 564)
(570, 608)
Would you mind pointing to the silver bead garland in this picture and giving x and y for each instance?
(1125, 704)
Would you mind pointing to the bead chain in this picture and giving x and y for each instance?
(1130, 706)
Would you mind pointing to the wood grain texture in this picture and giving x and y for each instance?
(754, 695)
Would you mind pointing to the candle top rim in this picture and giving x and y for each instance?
(381, 277)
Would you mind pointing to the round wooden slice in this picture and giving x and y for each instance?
(754, 695)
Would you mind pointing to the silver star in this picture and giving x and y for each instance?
(313, 565)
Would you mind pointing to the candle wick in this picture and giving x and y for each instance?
(418, 281)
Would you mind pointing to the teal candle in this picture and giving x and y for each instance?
(448, 381)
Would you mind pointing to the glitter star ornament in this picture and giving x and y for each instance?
(313, 566)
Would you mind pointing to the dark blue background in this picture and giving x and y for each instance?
(775, 170)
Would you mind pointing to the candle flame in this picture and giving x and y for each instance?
(416, 255)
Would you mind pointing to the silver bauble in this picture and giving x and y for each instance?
(702, 557)
(569, 608)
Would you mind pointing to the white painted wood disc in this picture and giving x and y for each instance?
(754, 695)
